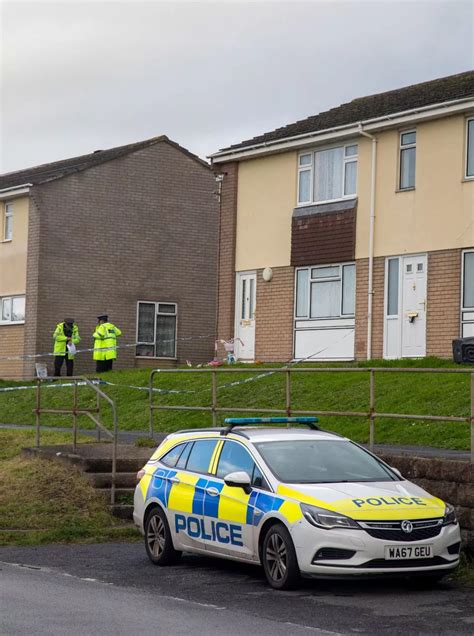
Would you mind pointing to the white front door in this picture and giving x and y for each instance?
(246, 295)
(405, 307)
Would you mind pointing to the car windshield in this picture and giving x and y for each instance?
(322, 462)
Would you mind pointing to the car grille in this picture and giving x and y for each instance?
(392, 530)
(404, 563)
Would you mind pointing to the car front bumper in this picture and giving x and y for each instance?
(369, 553)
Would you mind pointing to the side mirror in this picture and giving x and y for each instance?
(397, 472)
(239, 479)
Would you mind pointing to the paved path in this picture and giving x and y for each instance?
(113, 588)
(132, 436)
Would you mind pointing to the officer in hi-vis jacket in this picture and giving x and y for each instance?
(105, 343)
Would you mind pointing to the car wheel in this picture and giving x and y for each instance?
(158, 542)
(279, 559)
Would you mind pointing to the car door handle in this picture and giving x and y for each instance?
(174, 480)
(213, 492)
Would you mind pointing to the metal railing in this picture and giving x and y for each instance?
(371, 414)
(93, 414)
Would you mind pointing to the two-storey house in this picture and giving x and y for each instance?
(350, 234)
(130, 231)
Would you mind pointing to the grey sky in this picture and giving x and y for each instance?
(79, 76)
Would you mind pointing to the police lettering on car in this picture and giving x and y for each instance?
(301, 502)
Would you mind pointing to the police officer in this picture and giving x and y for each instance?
(65, 335)
(105, 343)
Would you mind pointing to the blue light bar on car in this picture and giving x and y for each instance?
(242, 421)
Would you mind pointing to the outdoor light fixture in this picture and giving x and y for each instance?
(267, 274)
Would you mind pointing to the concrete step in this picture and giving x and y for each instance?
(122, 511)
(122, 495)
(104, 480)
(104, 465)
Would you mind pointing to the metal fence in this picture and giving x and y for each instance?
(371, 414)
(93, 414)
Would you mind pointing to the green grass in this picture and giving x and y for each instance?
(46, 502)
(415, 393)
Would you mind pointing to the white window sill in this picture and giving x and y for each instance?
(346, 198)
(153, 358)
(410, 189)
(11, 322)
(6, 240)
(468, 179)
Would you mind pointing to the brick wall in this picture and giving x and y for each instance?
(444, 300)
(362, 269)
(11, 344)
(142, 227)
(227, 240)
(274, 316)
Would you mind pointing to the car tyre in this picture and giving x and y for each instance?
(158, 540)
(279, 559)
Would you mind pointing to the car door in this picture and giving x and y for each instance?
(185, 500)
(228, 522)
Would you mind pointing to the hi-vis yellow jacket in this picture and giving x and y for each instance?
(60, 340)
(105, 338)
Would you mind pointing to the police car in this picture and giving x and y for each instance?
(300, 502)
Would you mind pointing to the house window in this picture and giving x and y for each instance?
(407, 159)
(12, 310)
(156, 329)
(8, 222)
(327, 175)
(325, 291)
(470, 148)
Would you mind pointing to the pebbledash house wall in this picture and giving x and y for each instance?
(141, 227)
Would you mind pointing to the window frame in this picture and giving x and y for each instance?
(401, 148)
(312, 279)
(7, 214)
(11, 298)
(311, 167)
(157, 303)
(468, 177)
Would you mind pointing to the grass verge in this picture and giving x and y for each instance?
(416, 394)
(46, 502)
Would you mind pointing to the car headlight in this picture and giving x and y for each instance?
(449, 515)
(327, 519)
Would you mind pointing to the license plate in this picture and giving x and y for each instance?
(393, 552)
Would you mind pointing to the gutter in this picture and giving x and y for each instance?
(370, 285)
(5, 193)
(378, 123)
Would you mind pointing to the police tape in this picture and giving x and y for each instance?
(54, 385)
(29, 356)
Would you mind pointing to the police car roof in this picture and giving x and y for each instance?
(266, 433)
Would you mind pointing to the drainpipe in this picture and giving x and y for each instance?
(371, 240)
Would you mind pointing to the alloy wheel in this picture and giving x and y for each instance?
(277, 558)
(156, 536)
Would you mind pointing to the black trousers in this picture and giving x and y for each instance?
(103, 365)
(58, 363)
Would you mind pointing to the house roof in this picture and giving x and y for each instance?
(415, 96)
(58, 169)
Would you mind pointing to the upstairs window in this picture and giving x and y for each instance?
(8, 222)
(156, 329)
(470, 148)
(327, 175)
(325, 292)
(12, 310)
(407, 159)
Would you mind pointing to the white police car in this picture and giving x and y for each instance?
(300, 502)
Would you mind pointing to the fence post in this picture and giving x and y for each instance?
(37, 411)
(74, 418)
(98, 415)
(372, 410)
(150, 403)
(288, 394)
(214, 396)
(472, 417)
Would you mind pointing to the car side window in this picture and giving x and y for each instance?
(181, 463)
(234, 457)
(172, 456)
(200, 455)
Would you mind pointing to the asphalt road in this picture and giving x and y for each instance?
(114, 589)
